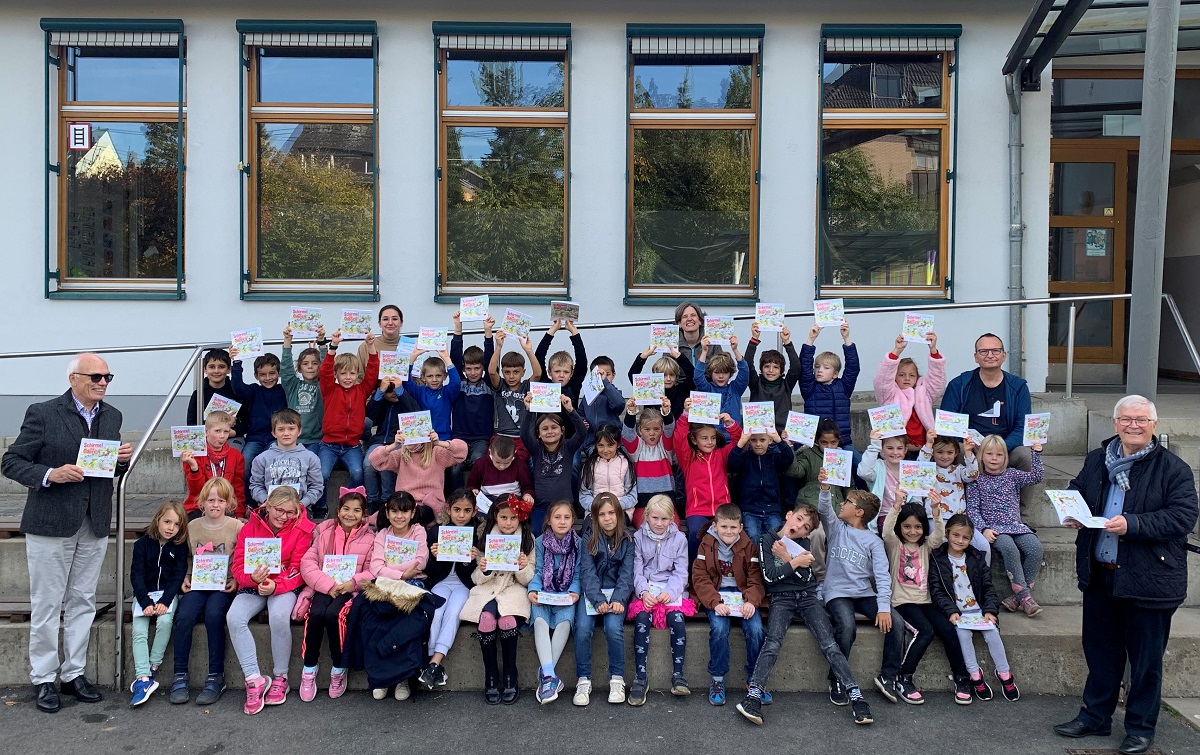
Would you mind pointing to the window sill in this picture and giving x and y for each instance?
(635, 300)
(118, 288)
(314, 290)
(446, 298)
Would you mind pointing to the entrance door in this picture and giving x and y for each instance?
(1088, 192)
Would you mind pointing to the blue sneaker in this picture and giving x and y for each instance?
(548, 689)
(765, 699)
(716, 692)
(142, 690)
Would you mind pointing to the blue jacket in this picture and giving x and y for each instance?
(539, 550)
(1016, 402)
(759, 477)
(607, 571)
(830, 399)
(605, 410)
(473, 415)
(440, 402)
(383, 414)
(261, 404)
(731, 394)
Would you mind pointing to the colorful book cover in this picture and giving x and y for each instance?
(357, 323)
(397, 550)
(406, 345)
(188, 438)
(502, 552)
(473, 308)
(304, 322)
(802, 428)
(916, 327)
(545, 397)
(661, 587)
(768, 317)
(735, 600)
(829, 313)
(393, 364)
(555, 598)
(516, 323)
(247, 344)
(974, 622)
(664, 338)
(340, 568)
(706, 408)
(649, 390)
(415, 427)
(432, 339)
(98, 458)
(836, 464)
(918, 477)
(975, 436)
(593, 385)
(263, 551)
(1069, 504)
(219, 403)
(591, 609)
(1037, 429)
(454, 544)
(564, 310)
(952, 424)
(718, 328)
(210, 571)
(887, 420)
(758, 416)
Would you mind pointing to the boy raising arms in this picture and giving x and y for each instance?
(507, 375)
(473, 415)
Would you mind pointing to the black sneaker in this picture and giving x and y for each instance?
(751, 709)
(426, 678)
(1009, 688)
(837, 693)
(907, 690)
(981, 688)
(887, 688)
(962, 690)
(862, 712)
(637, 693)
(440, 678)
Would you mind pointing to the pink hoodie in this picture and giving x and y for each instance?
(379, 564)
(330, 539)
(919, 399)
(426, 484)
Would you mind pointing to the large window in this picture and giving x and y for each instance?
(502, 158)
(886, 162)
(311, 169)
(115, 155)
(692, 227)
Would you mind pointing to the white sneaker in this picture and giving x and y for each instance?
(402, 691)
(379, 694)
(583, 691)
(616, 690)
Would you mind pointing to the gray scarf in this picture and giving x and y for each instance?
(1118, 465)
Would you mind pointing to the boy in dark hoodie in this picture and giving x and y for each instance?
(216, 380)
(758, 463)
(774, 380)
(260, 401)
(473, 415)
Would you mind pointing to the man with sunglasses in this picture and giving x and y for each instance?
(995, 401)
(66, 525)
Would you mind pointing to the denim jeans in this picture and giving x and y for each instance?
(929, 621)
(251, 449)
(842, 611)
(756, 524)
(718, 642)
(351, 458)
(785, 606)
(696, 527)
(214, 605)
(614, 635)
(379, 485)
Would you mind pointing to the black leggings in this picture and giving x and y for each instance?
(929, 621)
(326, 616)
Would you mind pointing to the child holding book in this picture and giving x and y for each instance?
(396, 560)
(325, 601)
(345, 411)
(646, 436)
(302, 385)
(880, 468)
(994, 505)
(214, 533)
(260, 401)
(499, 600)
(775, 378)
(507, 375)
(498, 474)
(450, 580)
(562, 368)
(826, 394)
(555, 573)
(604, 409)
(606, 581)
(217, 365)
(287, 463)
(551, 454)
(660, 576)
(898, 381)
(221, 460)
(724, 374)
(727, 578)
(759, 462)
(956, 466)
(607, 468)
(473, 416)
(420, 468)
(704, 462)
(384, 408)
(281, 518)
(676, 372)
(156, 572)
(807, 464)
(438, 389)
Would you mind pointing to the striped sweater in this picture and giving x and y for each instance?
(651, 463)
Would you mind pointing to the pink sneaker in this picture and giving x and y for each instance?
(254, 694)
(277, 694)
(337, 683)
(308, 687)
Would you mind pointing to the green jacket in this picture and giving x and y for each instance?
(805, 468)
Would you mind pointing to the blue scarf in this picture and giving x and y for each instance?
(1118, 465)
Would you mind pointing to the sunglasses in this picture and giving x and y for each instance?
(96, 377)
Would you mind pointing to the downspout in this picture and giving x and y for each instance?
(1016, 226)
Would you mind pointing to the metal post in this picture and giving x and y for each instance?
(1070, 351)
(1016, 226)
(1154, 157)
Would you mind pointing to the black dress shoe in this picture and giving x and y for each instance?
(1134, 745)
(1076, 729)
(83, 690)
(47, 697)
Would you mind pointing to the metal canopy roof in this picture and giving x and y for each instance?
(1075, 28)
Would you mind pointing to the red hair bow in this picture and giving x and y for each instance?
(521, 507)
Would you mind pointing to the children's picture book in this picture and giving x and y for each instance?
(735, 600)
(545, 397)
(659, 587)
(188, 438)
(263, 551)
(836, 464)
(768, 317)
(758, 416)
(554, 598)
(1069, 504)
(793, 548)
(664, 338)
(718, 329)
(591, 609)
(887, 420)
(247, 343)
(952, 424)
(210, 571)
(802, 428)
(829, 313)
(918, 477)
(502, 552)
(432, 339)
(649, 390)
(974, 622)
(706, 408)
(975, 436)
(219, 403)
(564, 310)
(393, 364)
(98, 458)
(397, 550)
(473, 308)
(454, 544)
(1037, 429)
(916, 327)
(415, 427)
(406, 345)
(516, 323)
(340, 568)
(304, 322)
(357, 323)
(593, 385)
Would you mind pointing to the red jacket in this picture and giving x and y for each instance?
(346, 408)
(330, 540)
(228, 463)
(296, 536)
(705, 476)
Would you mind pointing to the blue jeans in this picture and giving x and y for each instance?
(251, 449)
(614, 634)
(537, 520)
(718, 642)
(696, 527)
(351, 458)
(785, 606)
(845, 630)
(379, 485)
(756, 524)
(214, 605)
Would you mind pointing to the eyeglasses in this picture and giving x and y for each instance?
(96, 377)
(285, 512)
(989, 352)
(1133, 421)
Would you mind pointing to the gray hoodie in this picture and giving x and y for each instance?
(852, 558)
(297, 467)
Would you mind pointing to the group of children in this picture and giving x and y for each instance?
(763, 527)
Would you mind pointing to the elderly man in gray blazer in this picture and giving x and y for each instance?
(66, 525)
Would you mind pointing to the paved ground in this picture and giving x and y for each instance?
(461, 723)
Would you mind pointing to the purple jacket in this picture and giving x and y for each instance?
(664, 561)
